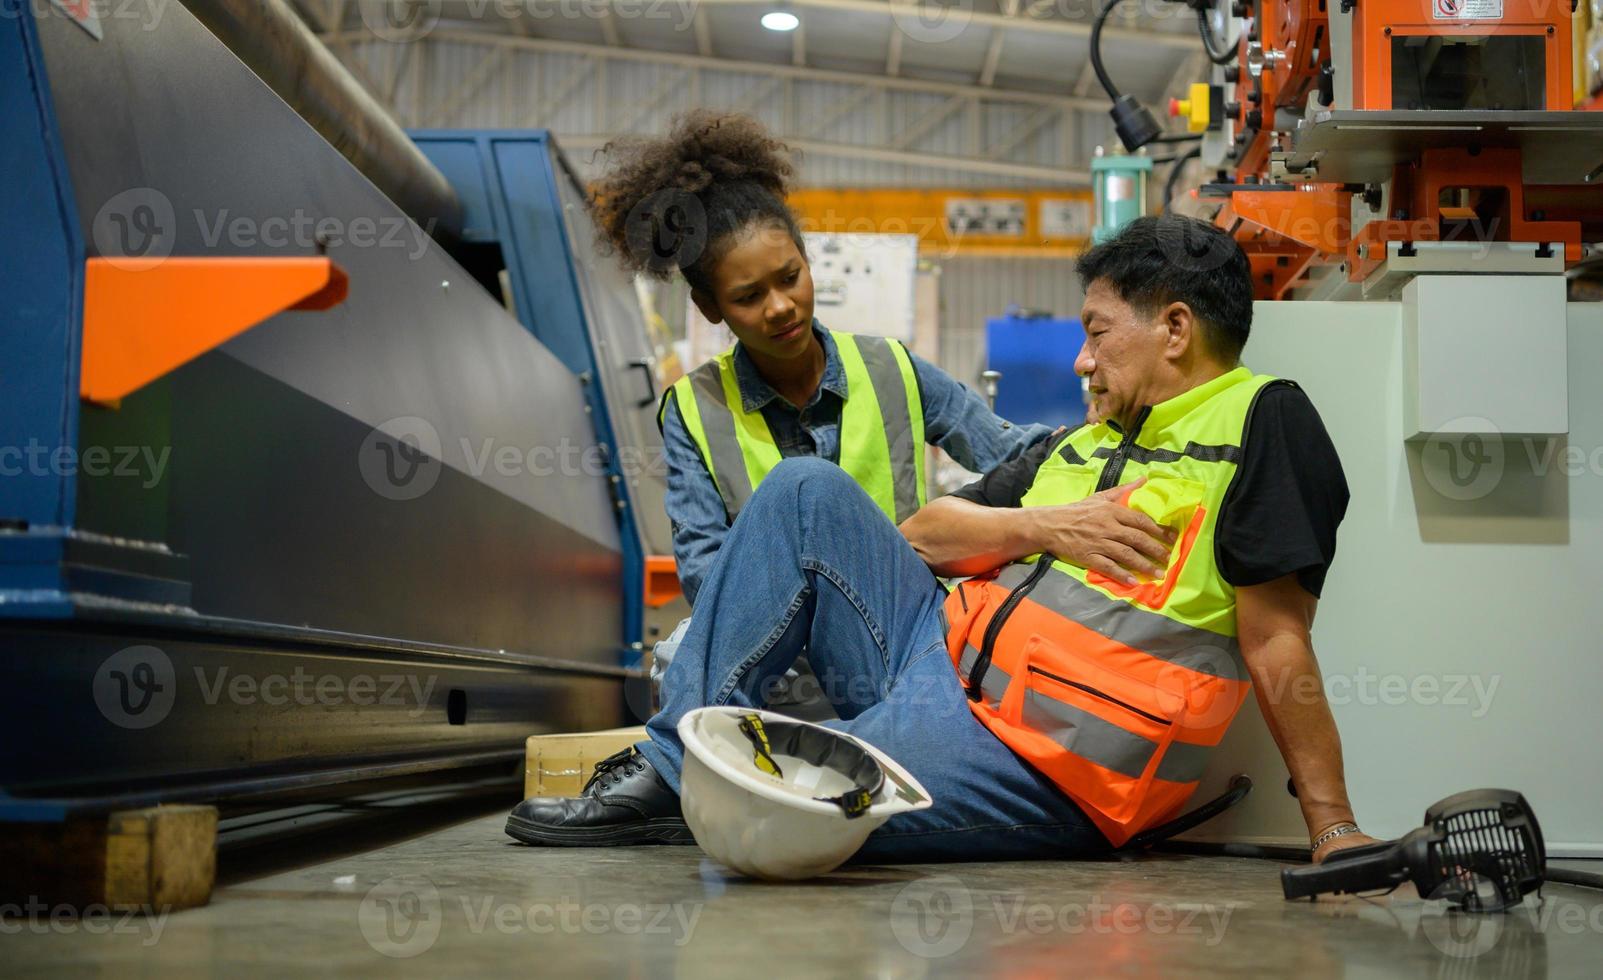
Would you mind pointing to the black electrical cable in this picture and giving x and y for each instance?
(1268, 852)
(1583, 879)
(1240, 786)
(1205, 28)
(1178, 139)
(1174, 174)
(1096, 50)
(1561, 876)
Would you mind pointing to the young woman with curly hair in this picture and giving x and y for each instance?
(707, 202)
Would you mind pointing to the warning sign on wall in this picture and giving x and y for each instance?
(1065, 217)
(1467, 9)
(985, 216)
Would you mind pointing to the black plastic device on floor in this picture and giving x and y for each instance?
(1480, 849)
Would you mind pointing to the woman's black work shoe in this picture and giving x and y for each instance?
(625, 802)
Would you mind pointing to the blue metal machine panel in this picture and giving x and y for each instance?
(278, 541)
(459, 155)
(509, 196)
(41, 277)
(518, 193)
(264, 511)
(1036, 357)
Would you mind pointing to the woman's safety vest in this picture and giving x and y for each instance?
(881, 426)
(1117, 692)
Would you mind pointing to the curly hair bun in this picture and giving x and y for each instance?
(693, 177)
(666, 202)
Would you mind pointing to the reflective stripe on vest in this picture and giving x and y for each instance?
(1085, 733)
(881, 426)
(1118, 693)
(1132, 626)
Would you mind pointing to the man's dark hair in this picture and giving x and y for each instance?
(1164, 259)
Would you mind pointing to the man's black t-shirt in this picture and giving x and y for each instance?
(1281, 513)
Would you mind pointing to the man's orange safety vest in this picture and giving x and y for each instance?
(1116, 692)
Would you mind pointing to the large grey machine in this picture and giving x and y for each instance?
(306, 479)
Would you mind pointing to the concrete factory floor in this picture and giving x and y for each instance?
(464, 901)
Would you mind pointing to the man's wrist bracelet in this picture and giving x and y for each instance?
(1339, 830)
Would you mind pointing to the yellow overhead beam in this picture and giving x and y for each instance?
(958, 221)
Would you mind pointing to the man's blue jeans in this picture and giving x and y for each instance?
(812, 562)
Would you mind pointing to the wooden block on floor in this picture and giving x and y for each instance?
(559, 765)
(157, 859)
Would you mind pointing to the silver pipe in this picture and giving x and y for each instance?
(273, 41)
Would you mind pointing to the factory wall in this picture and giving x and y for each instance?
(975, 288)
(1455, 644)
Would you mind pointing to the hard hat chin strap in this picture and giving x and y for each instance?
(854, 803)
(752, 727)
(820, 747)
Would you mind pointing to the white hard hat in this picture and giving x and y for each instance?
(777, 798)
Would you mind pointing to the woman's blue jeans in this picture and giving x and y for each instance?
(812, 563)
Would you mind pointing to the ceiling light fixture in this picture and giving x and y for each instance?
(780, 20)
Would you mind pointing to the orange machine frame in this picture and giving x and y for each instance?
(1376, 22)
(1286, 232)
(1418, 188)
(1300, 31)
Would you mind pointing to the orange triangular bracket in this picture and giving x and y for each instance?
(144, 319)
(662, 580)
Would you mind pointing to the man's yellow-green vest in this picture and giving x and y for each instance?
(1117, 692)
(881, 426)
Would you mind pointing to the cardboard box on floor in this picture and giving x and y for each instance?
(559, 765)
